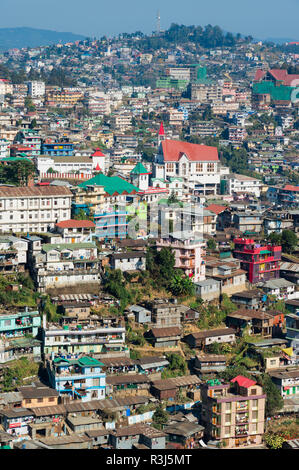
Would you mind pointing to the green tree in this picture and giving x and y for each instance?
(181, 285)
(160, 417)
(274, 440)
(211, 244)
(29, 104)
(274, 401)
(289, 241)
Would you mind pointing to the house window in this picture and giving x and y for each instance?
(27, 401)
(51, 399)
(170, 167)
(199, 167)
(40, 400)
(210, 167)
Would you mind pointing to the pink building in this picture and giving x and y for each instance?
(188, 251)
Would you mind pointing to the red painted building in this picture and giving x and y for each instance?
(261, 262)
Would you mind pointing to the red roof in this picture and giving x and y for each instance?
(243, 381)
(98, 168)
(173, 150)
(279, 74)
(72, 223)
(216, 208)
(289, 187)
(259, 75)
(98, 153)
(161, 130)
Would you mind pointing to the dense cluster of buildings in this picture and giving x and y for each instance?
(97, 175)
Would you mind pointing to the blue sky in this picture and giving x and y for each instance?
(260, 18)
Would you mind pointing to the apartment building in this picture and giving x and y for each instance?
(33, 209)
(91, 338)
(261, 262)
(13, 254)
(204, 129)
(243, 184)
(65, 264)
(206, 93)
(236, 133)
(234, 413)
(30, 138)
(36, 89)
(248, 223)
(188, 251)
(79, 377)
(66, 98)
(18, 324)
(165, 314)
(122, 121)
(57, 148)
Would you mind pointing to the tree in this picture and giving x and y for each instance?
(160, 417)
(274, 401)
(17, 173)
(181, 285)
(29, 104)
(289, 241)
(274, 440)
(211, 244)
(177, 362)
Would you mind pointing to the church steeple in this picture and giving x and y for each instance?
(161, 134)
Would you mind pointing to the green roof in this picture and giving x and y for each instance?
(89, 361)
(14, 159)
(139, 169)
(111, 184)
(66, 246)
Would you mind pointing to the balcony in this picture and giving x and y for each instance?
(242, 407)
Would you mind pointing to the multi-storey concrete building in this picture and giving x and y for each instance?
(260, 262)
(36, 89)
(78, 376)
(18, 324)
(13, 254)
(188, 251)
(65, 264)
(233, 414)
(33, 209)
(89, 339)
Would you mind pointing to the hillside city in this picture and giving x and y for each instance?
(149, 258)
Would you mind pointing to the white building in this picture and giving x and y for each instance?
(242, 184)
(198, 165)
(65, 264)
(33, 209)
(98, 340)
(129, 261)
(13, 254)
(4, 148)
(36, 89)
